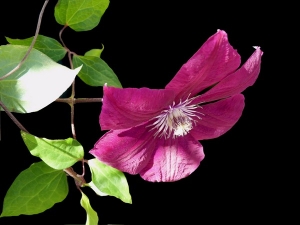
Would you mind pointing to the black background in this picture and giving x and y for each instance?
(146, 42)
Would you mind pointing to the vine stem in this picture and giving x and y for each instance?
(71, 101)
(13, 118)
(31, 45)
(60, 38)
(78, 100)
(79, 180)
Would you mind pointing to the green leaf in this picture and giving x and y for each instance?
(36, 84)
(94, 52)
(80, 15)
(95, 189)
(34, 190)
(92, 217)
(58, 154)
(109, 180)
(49, 46)
(95, 72)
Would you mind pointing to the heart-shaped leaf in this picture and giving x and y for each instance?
(80, 15)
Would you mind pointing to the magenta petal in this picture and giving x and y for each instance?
(211, 63)
(128, 107)
(127, 150)
(218, 117)
(236, 82)
(174, 159)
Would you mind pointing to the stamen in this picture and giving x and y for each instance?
(177, 120)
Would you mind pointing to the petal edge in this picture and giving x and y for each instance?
(212, 62)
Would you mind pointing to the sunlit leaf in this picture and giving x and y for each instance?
(80, 15)
(49, 46)
(95, 189)
(58, 154)
(94, 52)
(37, 83)
(92, 217)
(109, 180)
(95, 72)
(34, 190)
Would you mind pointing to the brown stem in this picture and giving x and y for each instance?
(79, 180)
(78, 100)
(72, 120)
(31, 45)
(70, 59)
(87, 100)
(64, 100)
(14, 119)
(60, 38)
(71, 102)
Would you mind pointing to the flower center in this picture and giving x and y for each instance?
(177, 120)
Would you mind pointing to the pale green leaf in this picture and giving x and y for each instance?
(95, 189)
(36, 84)
(58, 154)
(95, 72)
(94, 52)
(109, 180)
(49, 46)
(80, 15)
(92, 217)
(35, 190)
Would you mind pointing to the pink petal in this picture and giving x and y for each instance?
(128, 107)
(236, 82)
(211, 63)
(174, 159)
(127, 150)
(218, 117)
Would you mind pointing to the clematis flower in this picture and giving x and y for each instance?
(156, 132)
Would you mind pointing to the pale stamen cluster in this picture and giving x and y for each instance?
(178, 120)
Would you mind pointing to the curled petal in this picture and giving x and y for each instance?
(174, 159)
(211, 63)
(127, 150)
(218, 117)
(236, 82)
(128, 107)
